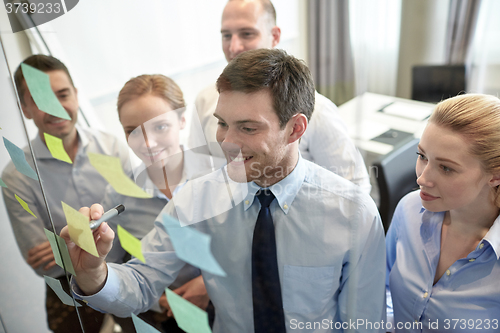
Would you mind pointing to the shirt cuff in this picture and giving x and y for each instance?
(103, 297)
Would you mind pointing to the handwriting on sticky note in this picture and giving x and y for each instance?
(39, 87)
(56, 241)
(192, 246)
(143, 327)
(56, 148)
(55, 285)
(110, 168)
(24, 205)
(19, 159)
(130, 244)
(189, 317)
(79, 229)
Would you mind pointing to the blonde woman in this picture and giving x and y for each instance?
(443, 244)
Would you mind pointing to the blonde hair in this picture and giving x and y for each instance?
(477, 118)
(156, 85)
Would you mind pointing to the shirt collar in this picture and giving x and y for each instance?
(431, 220)
(42, 152)
(493, 237)
(285, 190)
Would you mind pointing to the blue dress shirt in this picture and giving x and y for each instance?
(465, 299)
(330, 248)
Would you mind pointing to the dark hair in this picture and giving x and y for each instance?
(156, 85)
(41, 62)
(288, 80)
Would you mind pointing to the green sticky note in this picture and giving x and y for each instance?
(39, 86)
(189, 317)
(79, 230)
(2, 183)
(55, 285)
(56, 148)
(54, 241)
(24, 204)
(130, 244)
(141, 326)
(111, 169)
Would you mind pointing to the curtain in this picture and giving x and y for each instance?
(330, 55)
(462, 21)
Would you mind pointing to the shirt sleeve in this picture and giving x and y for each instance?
(27, 228)
(329, 145)
(362, 290)
(134, 287)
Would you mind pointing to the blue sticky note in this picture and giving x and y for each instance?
(39, 86)
(19, 160)
(143, 327)
(192, 246)
(55, 285)
(2, 183)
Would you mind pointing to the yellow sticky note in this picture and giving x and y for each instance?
(56, 148)
(111, 169)
(79, 230)
(130, 244)
(24, 204)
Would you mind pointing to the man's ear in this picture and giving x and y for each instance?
(182, 122)
(297, 127)
(276, 33)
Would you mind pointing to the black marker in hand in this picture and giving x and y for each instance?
(94, 224)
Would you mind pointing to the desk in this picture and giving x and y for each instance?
(373, 119)
(366, 121)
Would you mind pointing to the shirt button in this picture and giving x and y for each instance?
(285, 206)
(425, 294)
(471, 260)
(481, 246)
(448, 272)
(247, 202)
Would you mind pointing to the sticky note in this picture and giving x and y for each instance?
(141, 326)
(192, 246)
(130, 244)
(55, 241)
(56, 148)
(38, 84)
(55, 285)
(189, 317)
(19, 160)
(79, 230)
(24, 204)
(2, 183)
(111, 169)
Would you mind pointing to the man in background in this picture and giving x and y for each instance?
(76, 184)
(249, 25)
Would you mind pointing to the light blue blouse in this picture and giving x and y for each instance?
(465, 299)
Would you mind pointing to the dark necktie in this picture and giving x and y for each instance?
(266, 289)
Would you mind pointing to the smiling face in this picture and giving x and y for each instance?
(67, 95)
(151, 127)
(250, 135)
(450, 177)
(245, 26)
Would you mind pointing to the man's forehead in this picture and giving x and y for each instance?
(240, 106)
(242, 10)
